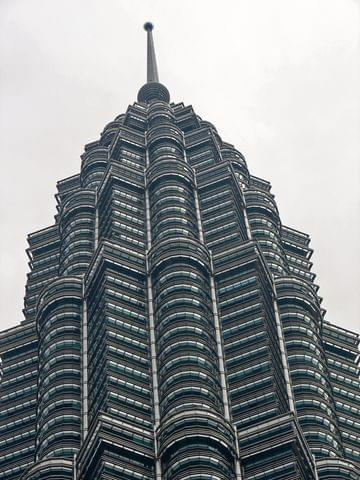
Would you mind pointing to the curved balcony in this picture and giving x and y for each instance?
(187, 378)
(65, 442)
(261, 197)
(120, 118)
(337, 468)
(237, 160)
(172, 192)
(159, 118)
(93, 166)
(76, 263)
(274, 261)
(109, 133)
(164, 133)
(58, 291)
(184, 364)
(241, 174)
(186, 347)
(163, 212)
(195, 422)
(174, 169)
(206, 123)
(160, 113)
(159, 105)
(57, 469)
(179, 289)
(196, 443)
(298, 292)
(166, 152)
(80, 200)
(232, 154)
(174, 227)
(56, 422)
(271, 246)
(164, 203)
(94, 155)
(183, 250)
(111, 127)
(185, 396)
(263, 203)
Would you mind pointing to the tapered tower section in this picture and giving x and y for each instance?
(173, 328)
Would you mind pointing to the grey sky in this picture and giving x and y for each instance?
(279, 79)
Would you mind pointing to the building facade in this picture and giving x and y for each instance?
(173, 328)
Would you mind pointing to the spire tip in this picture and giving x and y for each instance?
(148, 26)
(152, 89)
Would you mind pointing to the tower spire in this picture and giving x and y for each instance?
(153, 89)
(152, 71)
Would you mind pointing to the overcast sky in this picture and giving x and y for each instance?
(278, 78)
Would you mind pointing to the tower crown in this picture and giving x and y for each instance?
(153, 89)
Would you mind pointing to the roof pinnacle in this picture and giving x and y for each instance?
(153, 89)
(148, 26)
(152, 71)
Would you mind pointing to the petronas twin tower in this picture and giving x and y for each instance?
(173, 329)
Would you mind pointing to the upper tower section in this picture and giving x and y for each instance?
(153, 89)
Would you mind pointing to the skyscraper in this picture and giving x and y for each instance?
(172, 327)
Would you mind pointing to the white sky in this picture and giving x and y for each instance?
(278, 78)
